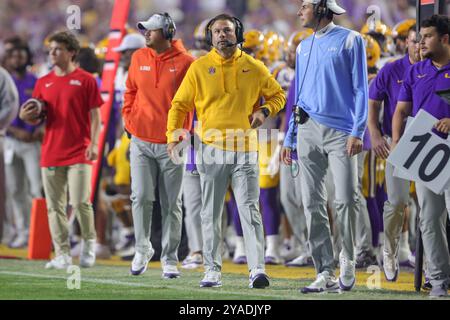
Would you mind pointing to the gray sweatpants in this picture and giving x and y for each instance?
(192, 200)
(363, 234)
(22, 164)
(152, 168)
(433, 220)
(291, 200)
(319, 147)
(241, 169)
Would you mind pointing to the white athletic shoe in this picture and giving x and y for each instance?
(212, 279)
(140, 262)
(390, 267)
(347, 275)
(20, 241)
(258, 279)
(323, 283)
(193, 261)
(300, 261)
(60, 262)
(170, 272)
(87, 255)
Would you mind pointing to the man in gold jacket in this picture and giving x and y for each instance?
(226, 88)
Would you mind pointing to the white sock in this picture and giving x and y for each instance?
(272, 243)
(240, 247)
(404, 240)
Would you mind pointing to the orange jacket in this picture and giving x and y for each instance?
(152, 83)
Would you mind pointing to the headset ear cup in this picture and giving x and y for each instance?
(208, 33)
(239, 30)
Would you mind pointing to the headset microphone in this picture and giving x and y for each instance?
(231, 44)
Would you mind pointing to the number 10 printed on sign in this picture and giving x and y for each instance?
(422, 156)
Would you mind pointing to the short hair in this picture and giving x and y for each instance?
(222, 16)
(68, 39)
(440, 22)
(88, 60)
(21, 47)
(15, 41)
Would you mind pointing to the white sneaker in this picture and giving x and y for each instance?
(239, 253)
(140, 262)
(390, 267)
(212, 279)
(87, 255)
(290, 249)
(347, 275)
(20, 241)
(170, 272)
(60, 262)
(300, 261)
(272, 257)
(258, 279)
(192, 261)
(76, 250)
(323, 283)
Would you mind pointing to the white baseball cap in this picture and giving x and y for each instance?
(131, 41)
(331, 4)
(155, 22)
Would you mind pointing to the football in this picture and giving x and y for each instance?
(37, 104)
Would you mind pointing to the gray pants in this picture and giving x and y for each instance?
(241, 168)
(318, 147)
(22, 166)
(363, 227)
(291, 200)
(433, 219)
(192, 199)
(152, 168)
(394, 209)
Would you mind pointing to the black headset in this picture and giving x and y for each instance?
(169, 29)
(238, 26)
(321, 10)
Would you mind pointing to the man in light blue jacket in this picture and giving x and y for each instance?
(331, 114)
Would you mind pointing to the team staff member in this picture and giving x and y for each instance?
(334, 103)
(153, 78)
(72, 126)
(386, 87)
(420, 84)
(224, 87)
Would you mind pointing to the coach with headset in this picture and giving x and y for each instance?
(154, 76)
(331, 114)
(225, 88)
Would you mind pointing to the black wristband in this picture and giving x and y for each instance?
(265, 111)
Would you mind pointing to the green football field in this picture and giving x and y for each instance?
(24, 279)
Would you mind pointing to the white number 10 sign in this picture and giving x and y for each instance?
(422, 156)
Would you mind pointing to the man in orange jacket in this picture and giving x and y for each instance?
(154, 76)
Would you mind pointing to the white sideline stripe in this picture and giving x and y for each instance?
(131, 284)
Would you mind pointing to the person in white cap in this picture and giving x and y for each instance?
(330, 116)
(154, 76)
(130, 43)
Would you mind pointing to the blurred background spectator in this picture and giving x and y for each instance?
(35, 20)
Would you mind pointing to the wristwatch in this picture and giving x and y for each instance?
(265, 111)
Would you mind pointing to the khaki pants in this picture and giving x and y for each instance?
(78, 178)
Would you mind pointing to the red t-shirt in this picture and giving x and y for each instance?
(69, 100)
